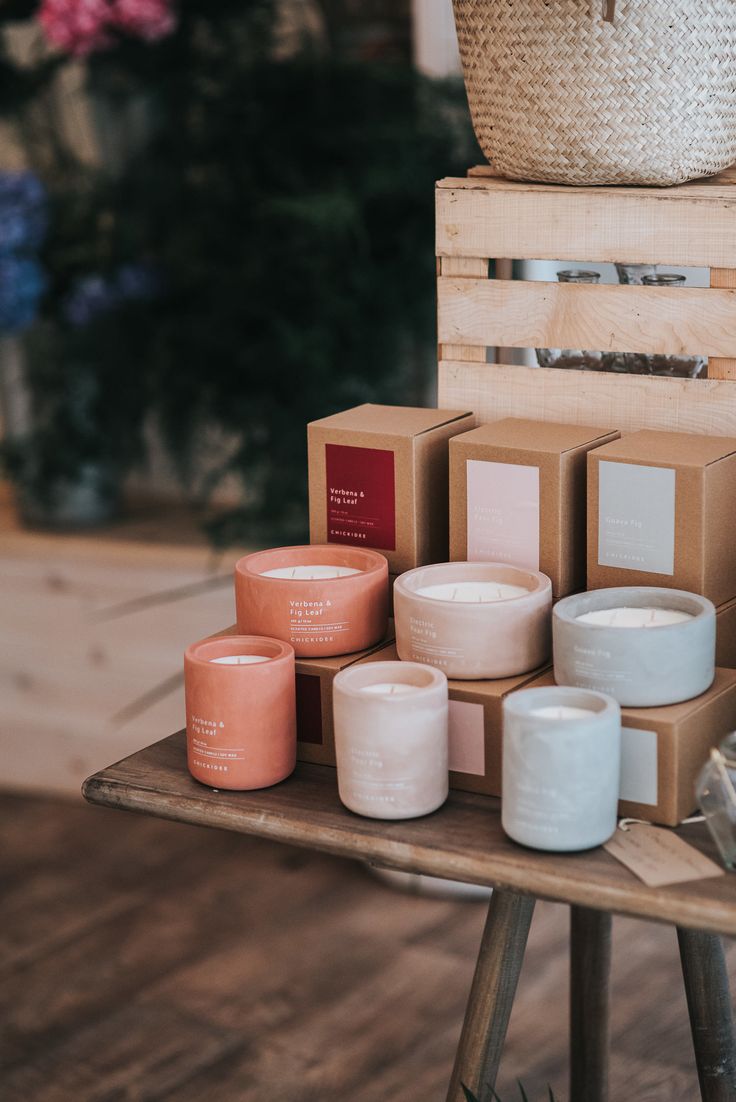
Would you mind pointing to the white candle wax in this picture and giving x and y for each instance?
(623, 617)
(318, 571)
(472, 592)
(389, 688)
(240, 659)
(561, 711)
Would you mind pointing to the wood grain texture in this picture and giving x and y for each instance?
(711, 1020)
(691, 225)
(491, 996)
(469, 267)
(589, 398)
(590, 968)
(526, 314)
(461, 841)
(722, 368)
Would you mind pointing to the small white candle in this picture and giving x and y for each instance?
(623, 617)
(390, 688)
(240, 659)
(561, 711)
(472, 592)
(319, 571)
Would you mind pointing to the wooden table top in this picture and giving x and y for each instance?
(461, 841)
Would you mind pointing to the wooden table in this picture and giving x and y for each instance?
(464, 841)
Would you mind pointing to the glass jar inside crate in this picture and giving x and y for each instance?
(715, 792)
(676, 367)
(579, 359)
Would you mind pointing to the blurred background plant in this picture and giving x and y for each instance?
(251, 249)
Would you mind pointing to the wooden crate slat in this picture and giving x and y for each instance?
(521, 314)
(718, 367)
(691, 226)
(589, 397)
(465, 267)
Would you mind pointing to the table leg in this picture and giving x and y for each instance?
(491, 995)
(590, 966)
(709, 1005)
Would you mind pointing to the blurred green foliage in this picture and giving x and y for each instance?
(288, 203)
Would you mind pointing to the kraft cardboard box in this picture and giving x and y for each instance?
(518, 495)
(662, 511)
(378, 478)
(726, 635)
(664, 749)
(314, 726)
(475, 727)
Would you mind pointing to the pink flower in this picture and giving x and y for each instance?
(83, 26)
(147, 19)
(77, 26)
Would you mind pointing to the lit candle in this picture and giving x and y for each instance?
(473, 620)
(561, 767)
(561, 711)
(623, 617)
(324, 600)
(644, 646)
(241, 711)
(311, 573)
(473, 592)
(240, 659)
(391, 739)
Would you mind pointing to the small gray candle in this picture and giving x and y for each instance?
(642, 645)
(561, 768)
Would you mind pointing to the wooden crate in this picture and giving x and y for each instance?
(694, 225)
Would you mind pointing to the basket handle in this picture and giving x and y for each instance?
(609, 10)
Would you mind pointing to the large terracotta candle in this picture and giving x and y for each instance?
(324, 600)
(241, 711)
(561, 767)
(391, 721)
(474, 620)
(643, 645)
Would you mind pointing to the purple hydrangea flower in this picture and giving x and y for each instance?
(23, 217)
(22, 283)
(93, 296)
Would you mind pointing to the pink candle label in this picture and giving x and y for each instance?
(361, 499)
(309, 709)
(210, 749)
(503, 513)
(467, 738)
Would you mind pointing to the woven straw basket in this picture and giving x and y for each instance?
(557, 93)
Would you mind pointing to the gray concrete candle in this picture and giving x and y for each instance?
(644, 646)
(561, 768)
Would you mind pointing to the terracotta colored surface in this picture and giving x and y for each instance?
(241, 720)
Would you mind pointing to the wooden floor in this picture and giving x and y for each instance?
(143, 960)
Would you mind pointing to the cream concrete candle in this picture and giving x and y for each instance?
(561, 768)
(474, 620)
(324, 600)
(391, 724)
(642, 645)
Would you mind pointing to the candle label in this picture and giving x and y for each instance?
(636, 517)
(503, 513)
(426, 644)
(467, 738)
(206, 746)
(315, 622)
(638, 766)
(361, 498)
(309, 709)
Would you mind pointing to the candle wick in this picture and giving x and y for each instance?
(454, 594)
(293, 571)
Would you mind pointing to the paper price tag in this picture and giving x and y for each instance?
(659, 857)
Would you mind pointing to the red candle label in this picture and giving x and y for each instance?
(308, 709)
(361, 499)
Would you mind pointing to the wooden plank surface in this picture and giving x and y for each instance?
(693, 225)
(719, 368)
(466, 267)
(462, 841)
(589, 398)
(526, 314)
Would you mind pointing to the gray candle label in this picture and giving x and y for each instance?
(636, 517)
